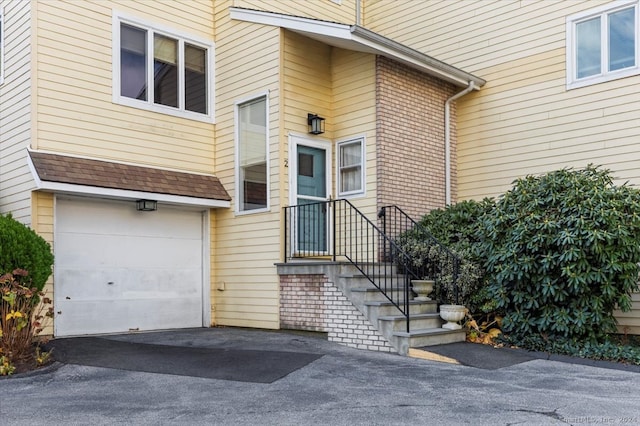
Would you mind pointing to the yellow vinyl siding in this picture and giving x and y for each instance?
(354, 113)
(42, 222)
(15, 112)
(343, 11)
(75, 110)
(245, 289)
(523, 121)
(629, 322)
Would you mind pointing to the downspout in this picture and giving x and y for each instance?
(447, 140)
(358, 12)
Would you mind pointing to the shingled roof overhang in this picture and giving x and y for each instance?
(83, 176)
(360, 39)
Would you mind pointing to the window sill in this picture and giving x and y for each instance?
(134, 103)
(588, 81)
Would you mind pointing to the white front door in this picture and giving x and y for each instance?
(311, 188)
(119, 270)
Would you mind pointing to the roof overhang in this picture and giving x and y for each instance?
(89, 177)
(359, 39)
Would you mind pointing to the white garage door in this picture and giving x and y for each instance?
(118, 269)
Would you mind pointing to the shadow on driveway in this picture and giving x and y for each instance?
(241, 365)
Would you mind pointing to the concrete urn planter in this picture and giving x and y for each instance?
(452, 314)
(422, 288)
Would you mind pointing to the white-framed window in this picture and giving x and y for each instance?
(159, 69)
(252, 159)
(351, 166)
(602, 44)
(1, 46)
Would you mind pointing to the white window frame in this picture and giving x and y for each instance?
(236, 120)
(363, 167)
(149, 104)
(604, 75)
(2, 46)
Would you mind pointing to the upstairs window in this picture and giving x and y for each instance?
(159, 70)
(602, 44)
(351, 167)
(252, 168)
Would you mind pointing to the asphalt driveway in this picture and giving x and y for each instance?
(251, 377)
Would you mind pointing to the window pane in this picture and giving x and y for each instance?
(350, 179)
(622, 46)
(165, 70)
(350, 154)
(133, 64)
(252, 155)
(588, 48)
(195, 84)
(350, 159)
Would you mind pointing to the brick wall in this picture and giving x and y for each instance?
(410, 137)
(311, 302)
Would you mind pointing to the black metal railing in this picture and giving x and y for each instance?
(337, 230)
(434, 260)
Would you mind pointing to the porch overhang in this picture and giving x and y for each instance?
(359, 39)
(90, 177)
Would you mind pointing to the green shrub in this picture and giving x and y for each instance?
(22, 248)
(562, 253)
(22, 311)
(456, 227)
(608, 349)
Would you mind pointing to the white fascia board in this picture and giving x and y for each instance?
(357, 38)
(294, 23)
(97, 191)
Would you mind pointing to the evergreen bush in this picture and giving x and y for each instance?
(22, 248)
(562, 253)
(455, 227)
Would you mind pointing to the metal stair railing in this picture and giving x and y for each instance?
(397, 225)
(336, 229)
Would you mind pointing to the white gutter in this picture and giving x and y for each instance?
(447, 139)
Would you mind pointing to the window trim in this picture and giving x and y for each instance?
(2, 46)
(363, 167)
(236, 130)
(571, 81)
(149, 105)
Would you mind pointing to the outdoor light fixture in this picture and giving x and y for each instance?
(146, 205)
(316, 124)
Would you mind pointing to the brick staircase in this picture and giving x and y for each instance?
(376, 309)
(424, 320)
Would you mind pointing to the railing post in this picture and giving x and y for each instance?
(334, 237)
(286, 229)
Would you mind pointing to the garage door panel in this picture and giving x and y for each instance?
(126, 315)
(122, 218)
(135, 251)
(114, 284)
(118, 269)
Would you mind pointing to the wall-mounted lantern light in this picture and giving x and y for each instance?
(146, 205)
(316, 124)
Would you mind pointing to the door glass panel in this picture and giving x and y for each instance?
(312, 221)
(312, 176)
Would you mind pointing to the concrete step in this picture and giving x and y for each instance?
(370, 268)
(372, 294)
(416, 322)
(388, 308)
(426, 337)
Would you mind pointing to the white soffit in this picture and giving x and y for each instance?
(359, 39)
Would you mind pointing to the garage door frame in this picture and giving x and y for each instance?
(205, 248)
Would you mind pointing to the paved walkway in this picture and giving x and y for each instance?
(315, 382)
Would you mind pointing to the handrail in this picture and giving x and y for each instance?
(337, 229)
(396, 224)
